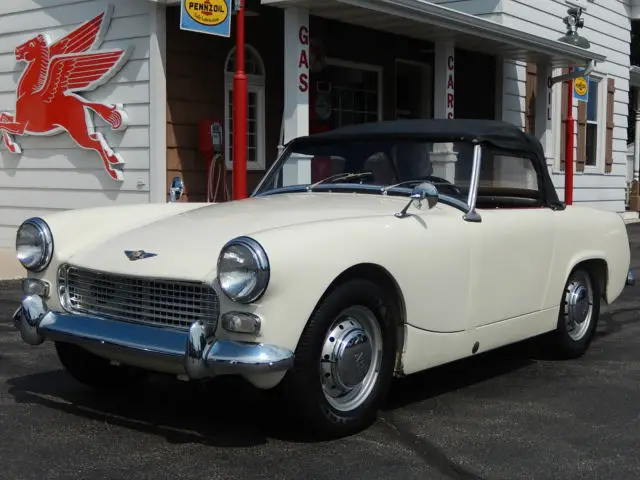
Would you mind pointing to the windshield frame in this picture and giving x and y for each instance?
(468, 207)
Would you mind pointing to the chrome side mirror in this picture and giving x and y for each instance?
(425, 191)
(176, 190)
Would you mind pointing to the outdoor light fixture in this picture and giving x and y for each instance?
(574, 21)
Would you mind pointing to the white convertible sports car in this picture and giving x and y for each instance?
(367, 252)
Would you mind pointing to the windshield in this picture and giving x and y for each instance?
(376, 163)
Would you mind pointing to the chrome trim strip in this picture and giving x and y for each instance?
(356, 188)
(197, 352)
(472, 215)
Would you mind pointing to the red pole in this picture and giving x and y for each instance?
(240, 113)
(568, 157)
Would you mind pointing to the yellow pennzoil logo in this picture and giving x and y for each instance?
(581, 86)
(207, 12)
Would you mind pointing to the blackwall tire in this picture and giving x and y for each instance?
(344, 360)
(96, 372)
(577, 317)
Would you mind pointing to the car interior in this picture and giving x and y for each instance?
(506, 180)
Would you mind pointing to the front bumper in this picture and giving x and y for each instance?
(194, 353)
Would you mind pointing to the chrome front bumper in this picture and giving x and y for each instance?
(194, 353)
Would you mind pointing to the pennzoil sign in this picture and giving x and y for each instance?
(208, 12)
(206, 16)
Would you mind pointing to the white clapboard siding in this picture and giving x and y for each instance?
(488, 9)
(53, 173)
(607, 28)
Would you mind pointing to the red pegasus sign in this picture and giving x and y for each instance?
(47, 102)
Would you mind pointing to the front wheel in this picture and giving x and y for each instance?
(344, 360)
(578, 315)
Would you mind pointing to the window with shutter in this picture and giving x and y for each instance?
(588, 128)
(563, 125)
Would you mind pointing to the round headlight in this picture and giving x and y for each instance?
(34, 244)
(243, 270)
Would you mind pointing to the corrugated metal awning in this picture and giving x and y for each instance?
(425, 20)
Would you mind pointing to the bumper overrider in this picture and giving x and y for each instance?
(194, 352)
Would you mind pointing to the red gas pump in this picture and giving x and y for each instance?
(211, 146)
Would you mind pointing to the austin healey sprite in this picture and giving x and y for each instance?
(365, 253)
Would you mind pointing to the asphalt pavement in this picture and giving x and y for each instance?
(507, 414)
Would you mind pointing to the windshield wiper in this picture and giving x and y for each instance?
(340, 176)
(407, 182)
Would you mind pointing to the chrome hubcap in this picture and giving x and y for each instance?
(350, 359)
(578, 306)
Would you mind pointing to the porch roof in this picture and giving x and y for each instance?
(410, 17)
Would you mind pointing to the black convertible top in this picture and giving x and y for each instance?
(498, 133)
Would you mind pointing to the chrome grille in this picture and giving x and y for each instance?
(163, 303)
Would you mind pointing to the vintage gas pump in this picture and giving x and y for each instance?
(211, 146)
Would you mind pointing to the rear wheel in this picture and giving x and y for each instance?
(97, 372)
(344, 360)
(578, 315)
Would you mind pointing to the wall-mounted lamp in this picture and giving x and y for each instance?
(574, 21)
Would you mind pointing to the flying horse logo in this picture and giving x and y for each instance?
(47, 102)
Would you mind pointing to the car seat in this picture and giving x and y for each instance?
(383, 172)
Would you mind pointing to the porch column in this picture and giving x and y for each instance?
(634, 194)
(296, 90)
(443, 157)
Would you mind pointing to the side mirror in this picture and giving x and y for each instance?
(425, 191)
(176, 190)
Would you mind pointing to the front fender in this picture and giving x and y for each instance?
(306, 259)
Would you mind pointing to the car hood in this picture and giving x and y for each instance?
(186, 245)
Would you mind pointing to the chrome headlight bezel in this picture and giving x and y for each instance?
(263, 271)
(46, 243)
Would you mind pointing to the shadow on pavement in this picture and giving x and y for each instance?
(228, 412)
(222, 413)
(460, 374)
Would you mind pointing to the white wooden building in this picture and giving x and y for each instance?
(516, 38)
(53, 173)
(607, 27)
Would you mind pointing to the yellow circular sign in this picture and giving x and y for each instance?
(581, 86)
(207, 12)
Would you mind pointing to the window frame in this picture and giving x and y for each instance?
(556, 119)
(255, 84)
(367, 67)
(600, 123)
